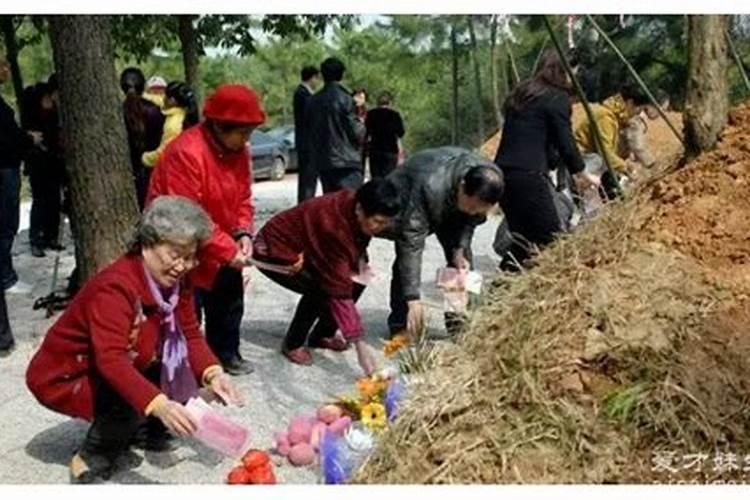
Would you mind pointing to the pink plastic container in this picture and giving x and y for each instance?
(218, 432)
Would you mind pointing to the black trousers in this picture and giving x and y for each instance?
(307, 177)
(115, 421)
(448, 237)
(382, 163)
(341, 178)
(45, 178)
(6, 335)
(312, 319)
(223, 307)
(530, 210)
(10, 204)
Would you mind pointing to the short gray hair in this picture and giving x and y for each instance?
(172, 219)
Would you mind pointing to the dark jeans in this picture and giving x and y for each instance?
(530, 210)
(382, 163)
(223, 307)
(341, 178)
(312, 309)
(448, 237)
(307, 177)
(10, 205)
(115, 421)
(6, 335)
(46, 205)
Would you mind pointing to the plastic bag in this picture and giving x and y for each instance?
(218, 432)
(341, 456)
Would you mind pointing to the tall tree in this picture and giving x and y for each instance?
(190, 48)
(707, 97)
(494, 73)
(11, 47)
(101, 183)
(477, 79)
(454, 82)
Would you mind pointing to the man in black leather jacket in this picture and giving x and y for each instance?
(335, 134)
(447, 191)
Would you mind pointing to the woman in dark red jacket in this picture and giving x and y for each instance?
(129, 344)
(210, 164)
(318, 249)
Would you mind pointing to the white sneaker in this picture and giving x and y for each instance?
(20, 288)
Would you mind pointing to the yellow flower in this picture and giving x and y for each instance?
(396, 343)
(350, 405)
(371, 388)
(373, 416)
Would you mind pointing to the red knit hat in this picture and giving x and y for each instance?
(234, 103)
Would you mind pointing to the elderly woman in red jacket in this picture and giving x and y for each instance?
(319, 250)
(129, 344)
(210, 164)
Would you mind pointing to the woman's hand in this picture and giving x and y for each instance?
(365, 358)
(221, 385)
(585, 181)
(415, 318)
(175, 417)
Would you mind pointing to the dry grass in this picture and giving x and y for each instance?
(611, 348)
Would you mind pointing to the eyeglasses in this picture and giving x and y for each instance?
(172, 258)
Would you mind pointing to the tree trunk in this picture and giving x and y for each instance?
(11, 47)
(494, 73)
(707, 98)
(477, 80)
(96, 156)
(189, 42)
(454, 66)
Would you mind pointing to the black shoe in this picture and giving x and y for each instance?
(37, 251)
(237, 366)
(91, 470)
(7, 348)
(153, 436)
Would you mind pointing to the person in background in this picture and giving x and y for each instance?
(537, 122)
(307, 177)
(334, 133)
(45, 166)
(129, 345)
(359, 96)
(144, 123)
(384, 129)
(180, 112)
(156, 87)
(211, 165)
(14, 144)
(323, 243)
(633, 141)
(445, 191)
(611, 116)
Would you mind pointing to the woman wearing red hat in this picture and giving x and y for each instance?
(210, 164)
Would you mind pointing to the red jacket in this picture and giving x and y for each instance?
(325, 231)
(90, 343)
(195, 166)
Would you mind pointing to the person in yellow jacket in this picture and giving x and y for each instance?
(612, 116)
(181, 112)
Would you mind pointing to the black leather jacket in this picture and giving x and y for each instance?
(428, 182)
(333, 132)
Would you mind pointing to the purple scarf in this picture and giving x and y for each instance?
(177, 379)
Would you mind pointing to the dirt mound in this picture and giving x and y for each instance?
(622, 356)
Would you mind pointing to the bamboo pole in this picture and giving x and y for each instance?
(738, 61)
(582, 96)
(516, 75)
(635, 75)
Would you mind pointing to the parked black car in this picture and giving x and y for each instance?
(285, 134)
(270, 156)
